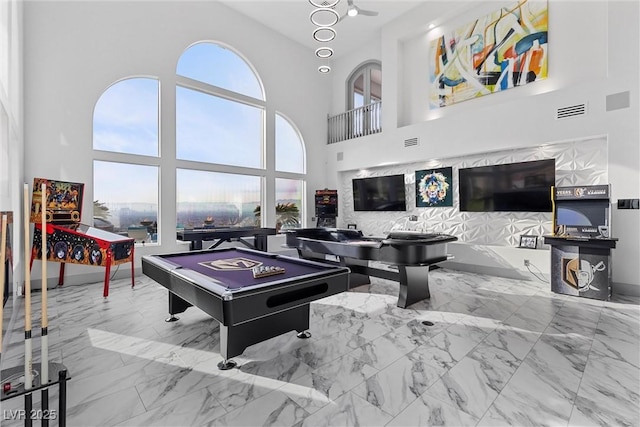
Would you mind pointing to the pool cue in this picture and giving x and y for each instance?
(44, 338)
(28, 356)
(3, 254)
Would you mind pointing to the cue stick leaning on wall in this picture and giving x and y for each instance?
(3, 254)
(44, 342)
(28, 356)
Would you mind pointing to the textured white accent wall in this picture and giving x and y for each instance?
(577, 163)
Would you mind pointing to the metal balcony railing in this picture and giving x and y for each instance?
(355, 123)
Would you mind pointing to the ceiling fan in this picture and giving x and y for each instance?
(353, 10)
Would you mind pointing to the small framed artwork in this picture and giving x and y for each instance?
(434, 187)
(352, 226)
(529, 242)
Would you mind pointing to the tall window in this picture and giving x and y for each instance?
(220, 171)
(126, 199)
(289, 202)
(290, 157)
(216, 199)
(220, 120)
(125, 121)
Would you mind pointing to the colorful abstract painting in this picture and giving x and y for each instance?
(434, 187)
(499, 51)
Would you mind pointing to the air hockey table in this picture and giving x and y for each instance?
(250, 309)
(409, 254)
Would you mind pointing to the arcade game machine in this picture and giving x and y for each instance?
(326, 208)
(70, 241)
(581, 244)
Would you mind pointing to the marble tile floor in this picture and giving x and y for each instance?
(499, 352)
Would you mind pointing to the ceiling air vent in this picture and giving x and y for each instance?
(572, 111)
(411, 142)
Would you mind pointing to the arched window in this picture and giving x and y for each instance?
(125, 118)
(290, 159)
(364, 85)
(219, 109)
(126, 193)
(290, 156)
(217, 65)
(220, 174)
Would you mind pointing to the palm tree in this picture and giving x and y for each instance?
(100, 210)
(287, 214)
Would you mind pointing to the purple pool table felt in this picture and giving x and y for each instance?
(233, 269)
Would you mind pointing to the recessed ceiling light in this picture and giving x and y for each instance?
(432, 26)
(324, 69)
(324, 52)
(324, 17)
(324, 34)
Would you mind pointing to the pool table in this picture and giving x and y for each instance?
(409, 256)
(221, 283)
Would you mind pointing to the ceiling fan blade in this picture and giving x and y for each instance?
(350, 2)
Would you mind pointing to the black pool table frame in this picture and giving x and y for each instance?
(254, 314)
(408, 256)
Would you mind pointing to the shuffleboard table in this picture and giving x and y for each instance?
(221, 283)
(219, 235)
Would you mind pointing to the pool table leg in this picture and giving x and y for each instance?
(414, 284)
(234, 339)
(176, 305)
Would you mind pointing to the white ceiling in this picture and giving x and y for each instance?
(291, 18)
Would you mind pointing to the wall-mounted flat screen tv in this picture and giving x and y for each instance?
(380, 193)
(511, 187)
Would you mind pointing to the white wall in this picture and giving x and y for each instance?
(593, 52)
(74, 50)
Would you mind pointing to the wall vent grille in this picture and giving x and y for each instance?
(411, 142)
(572, 111)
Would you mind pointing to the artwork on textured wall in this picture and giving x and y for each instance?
(433, 187)
(504, 49)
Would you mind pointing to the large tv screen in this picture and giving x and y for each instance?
(511, 187)
(581, 213)
(380, 193)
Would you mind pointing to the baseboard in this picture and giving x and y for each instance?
(509, 273)
(627, 289)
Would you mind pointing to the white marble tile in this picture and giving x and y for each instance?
(83, 389)
(426, 411)
(396, 386)
(195, 408)
(319, 387)
(507, 411)
(470, 386)
(317, 353)
(385, 350)
(347, 410)
(161, 390)
(107, 410)
(514, 341)
(274, 408)
(609, 390)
